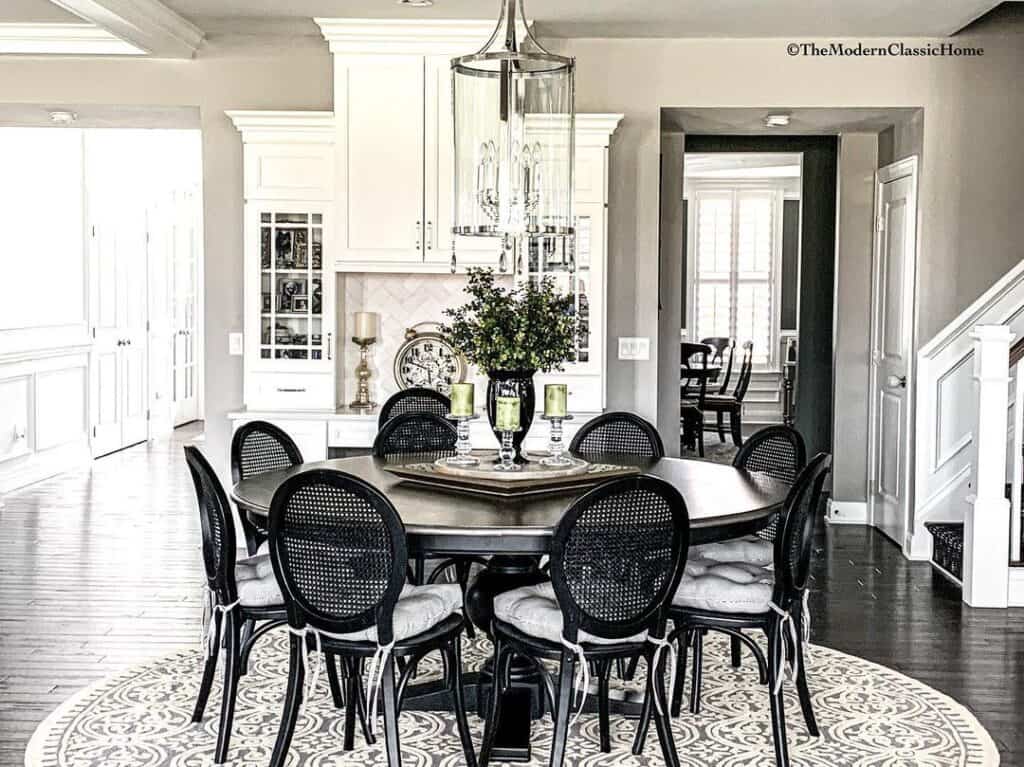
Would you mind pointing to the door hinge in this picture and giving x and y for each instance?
(880, 223)
(93, 431)
(147, 415)
(147, 326)
(94, 230)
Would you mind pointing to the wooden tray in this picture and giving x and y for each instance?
(533, 480)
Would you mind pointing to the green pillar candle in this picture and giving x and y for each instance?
(555, 398)
(462, 399)
(507, 416)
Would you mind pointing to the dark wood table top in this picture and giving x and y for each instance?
(722, 501)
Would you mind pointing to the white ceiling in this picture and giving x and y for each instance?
(741, 165)
(803, 120)
(638, 18)
(34, 12)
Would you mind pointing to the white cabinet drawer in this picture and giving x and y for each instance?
(352, 432)
(14, 412)
(289, 391)
(309, 435)
(295, 171)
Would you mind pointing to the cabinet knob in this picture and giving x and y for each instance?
(430, 235)
(417, 246)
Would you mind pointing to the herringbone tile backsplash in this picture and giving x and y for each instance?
(402, 301)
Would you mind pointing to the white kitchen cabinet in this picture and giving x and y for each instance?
(290, 333)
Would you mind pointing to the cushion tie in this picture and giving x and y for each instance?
(792, 667)
(660, 643)
(311, 681)
(582, 675)
(210, 636)
(377, 663)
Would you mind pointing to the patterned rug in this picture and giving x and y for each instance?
(869, 715)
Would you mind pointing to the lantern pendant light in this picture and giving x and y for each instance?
(514, 118)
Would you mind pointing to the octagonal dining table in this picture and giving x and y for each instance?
(513, 533)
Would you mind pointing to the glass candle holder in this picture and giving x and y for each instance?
(507, 454)
(556, 445)
(463, 447)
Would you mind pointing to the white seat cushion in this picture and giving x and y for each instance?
(258, 592)
(534, 611)
(256, 566)
(750, 549)
(729, 587)
(418, 608)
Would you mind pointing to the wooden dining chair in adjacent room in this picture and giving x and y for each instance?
(733, 598)
(425, 437)
(256, 448)
(694, 389)
(339, 550)
(238, 592)
(618, 433)
(723, 352)
(414, 400)
(617, 555)
(732, 404)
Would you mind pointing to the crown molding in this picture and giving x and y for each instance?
(261, 126)
(63, 39)
(147, 24)
(417, 37)
(596, 129)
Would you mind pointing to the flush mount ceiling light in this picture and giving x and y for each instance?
(416, 3)
(62, 117)
(514, 117)
(778, 120)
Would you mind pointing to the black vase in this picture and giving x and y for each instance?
(512, 383)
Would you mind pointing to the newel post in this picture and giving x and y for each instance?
(986, 569)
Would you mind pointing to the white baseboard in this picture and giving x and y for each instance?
(847, 512)
(1015, 588)
(34, 467)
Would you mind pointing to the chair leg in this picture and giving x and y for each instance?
(209, 670)
(247, 628)
(720, 419)
(563, 708)
(677, 691)
(604, 670)
(734, 651)
(803, 692)
(454, 654)
(494, 710)
(462, 571)
(232, 630)
(337, 696)
(736, 426)
(700, 437)
(776, 652)
(352, 709)
(388, 693)
(698, 670)
(292, 702)
(662, 722)
(631, 668)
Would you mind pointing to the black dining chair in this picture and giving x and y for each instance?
(256, 448)
(618, 433)
(426, 437)
(414, 400)
(239, 593)
(694, 389)
(733, 600)
(617, 555)
(723, 352)
(339, 553)
(732, 404)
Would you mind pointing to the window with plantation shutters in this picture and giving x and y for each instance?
(736, 246)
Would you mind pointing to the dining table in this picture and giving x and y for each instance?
(513, 534)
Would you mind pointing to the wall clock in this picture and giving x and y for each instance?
(427, 360)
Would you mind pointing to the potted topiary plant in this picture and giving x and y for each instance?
(510, 334)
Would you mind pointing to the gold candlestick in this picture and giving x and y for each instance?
(363, 373)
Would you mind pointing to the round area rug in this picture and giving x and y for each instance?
(868, 715)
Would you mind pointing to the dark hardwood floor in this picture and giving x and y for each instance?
(100, 569)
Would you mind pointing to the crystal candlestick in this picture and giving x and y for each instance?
(463, 446)
(507, 454)
(556, 445)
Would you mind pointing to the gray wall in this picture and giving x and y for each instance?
(672, 245)
(858, 158)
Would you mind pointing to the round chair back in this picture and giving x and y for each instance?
(217, 525)
(793, 546)
(423, 434)
(339, 553)
(414, 400)
(618, 432)
(775, 450)
(258, 447)
(617, 557)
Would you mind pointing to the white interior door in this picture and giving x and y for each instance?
(184, 246)
(108, 338)
(892, 322)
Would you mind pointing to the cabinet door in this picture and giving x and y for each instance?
(381, 155)
(440, 173)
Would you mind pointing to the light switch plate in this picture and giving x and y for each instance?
(634, 348)
(235, 344)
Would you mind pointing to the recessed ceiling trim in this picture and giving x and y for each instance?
(441, 36)
(146, 24)
(63, 39)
